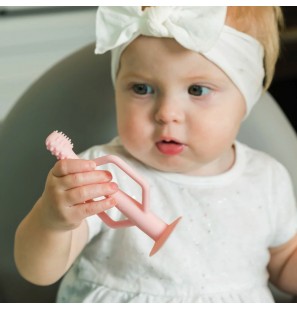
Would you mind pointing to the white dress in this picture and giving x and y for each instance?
(217, 253)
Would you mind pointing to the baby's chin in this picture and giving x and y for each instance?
(165, 165)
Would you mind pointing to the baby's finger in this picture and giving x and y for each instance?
(82, 194)
(84, 178)
(94, 207)
(69, 166)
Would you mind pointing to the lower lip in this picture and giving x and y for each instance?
(170, 148)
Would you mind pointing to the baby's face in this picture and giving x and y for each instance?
(176, 110)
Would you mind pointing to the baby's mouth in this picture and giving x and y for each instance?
(169, 147)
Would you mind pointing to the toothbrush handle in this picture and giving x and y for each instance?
(130, 172)
(114, 224)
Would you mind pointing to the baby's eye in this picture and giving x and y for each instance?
(197, 90)
(142, 89)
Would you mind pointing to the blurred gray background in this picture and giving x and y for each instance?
(33, 39)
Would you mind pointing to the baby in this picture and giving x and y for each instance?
(185, 78)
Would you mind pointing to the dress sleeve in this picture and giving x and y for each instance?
(284, 210)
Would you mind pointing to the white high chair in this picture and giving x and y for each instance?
(268, 129)
(76, 96)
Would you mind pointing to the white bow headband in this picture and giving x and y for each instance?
(201, 29)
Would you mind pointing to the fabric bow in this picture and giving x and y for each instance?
(195, 28)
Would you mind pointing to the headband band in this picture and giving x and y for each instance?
(200, 29)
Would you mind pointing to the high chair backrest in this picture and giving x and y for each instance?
(76, 97)
(269, 130)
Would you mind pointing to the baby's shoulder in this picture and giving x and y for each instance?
(113, 147)
(260, 161)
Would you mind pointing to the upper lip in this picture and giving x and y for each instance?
(169, 139)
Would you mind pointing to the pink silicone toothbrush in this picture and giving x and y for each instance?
(137, 214)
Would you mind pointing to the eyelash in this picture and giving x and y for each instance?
(144, 89)
(203, 90)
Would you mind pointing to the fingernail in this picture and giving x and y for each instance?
(114, 186)
(112, 201)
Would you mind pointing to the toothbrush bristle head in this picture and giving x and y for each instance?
(59, 144)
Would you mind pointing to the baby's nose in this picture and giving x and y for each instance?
(169, 111)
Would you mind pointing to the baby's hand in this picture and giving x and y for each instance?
(71, 186)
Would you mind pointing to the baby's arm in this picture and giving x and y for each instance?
(283, 266)
(53, 234)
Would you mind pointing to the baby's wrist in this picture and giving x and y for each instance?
(50, 220)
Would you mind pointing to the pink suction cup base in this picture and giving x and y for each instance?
(165, 235)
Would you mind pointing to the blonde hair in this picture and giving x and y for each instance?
(264, 23)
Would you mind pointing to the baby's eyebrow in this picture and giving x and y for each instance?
(136, 76)
(205, 78)
(198, 77)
